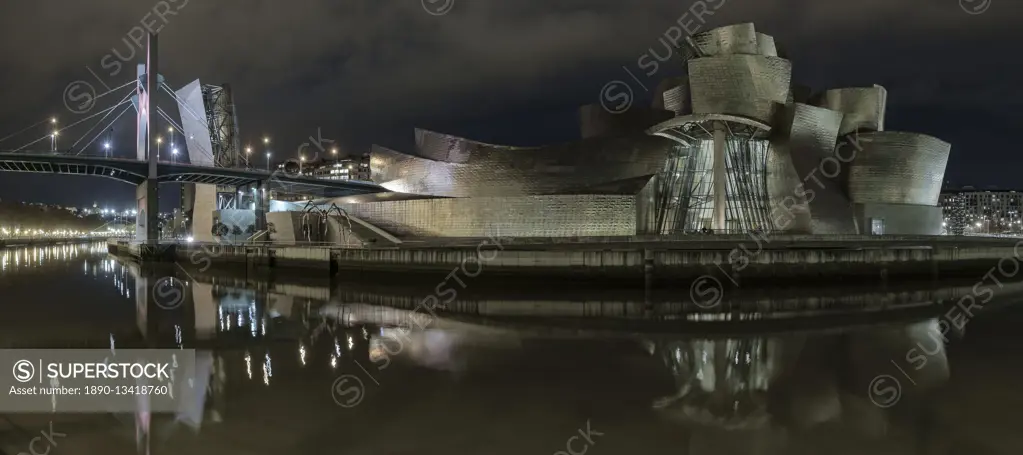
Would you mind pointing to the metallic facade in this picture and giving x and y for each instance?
(609, 165)
(727, 40)
(808, 136)
(864, 107)
(194, 123)
(897, 168)
(746, 150)
(747, 85)
(732, 70)
(514, 216)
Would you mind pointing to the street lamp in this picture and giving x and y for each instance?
(106, 146)
(301, 160)
(53, 141)
(159, 140)
(174, 153)
(248, 157)
(266, 144)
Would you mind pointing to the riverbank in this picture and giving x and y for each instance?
(15, 243)
(723, 261)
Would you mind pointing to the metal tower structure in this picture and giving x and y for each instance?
(223, 126)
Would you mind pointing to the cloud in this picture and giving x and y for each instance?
(322, 60)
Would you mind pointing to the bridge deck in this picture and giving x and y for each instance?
(135, 172)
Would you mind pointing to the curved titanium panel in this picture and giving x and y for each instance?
(790, 211)
(746, 85)
(896, 168)
(676, 100)
(727, 40)
(667, 84)
(810, 137)
(488, 170)
(766, 46)
(863, 107)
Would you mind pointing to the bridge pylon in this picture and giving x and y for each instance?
(147, 195)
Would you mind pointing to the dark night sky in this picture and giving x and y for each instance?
(502, 71)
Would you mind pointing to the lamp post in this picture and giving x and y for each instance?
(159, 140)
(266, 144)
(301, 160)
(248, 157)
(53, 136)
(106, 147)
(174, 155)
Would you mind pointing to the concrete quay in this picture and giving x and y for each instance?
(629, 261)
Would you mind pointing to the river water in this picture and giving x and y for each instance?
(311, 365)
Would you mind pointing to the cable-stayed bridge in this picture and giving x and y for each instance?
(212, 165)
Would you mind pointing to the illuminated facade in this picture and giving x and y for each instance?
(971, 211)
(330, 169)
(733, 146)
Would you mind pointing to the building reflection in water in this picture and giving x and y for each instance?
(744, 391)
(745, 394)
(721, 382)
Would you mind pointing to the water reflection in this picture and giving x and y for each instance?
(26, 258)
(649, 377)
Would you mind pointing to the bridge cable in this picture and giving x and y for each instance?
(182, 129)
(171, 121)
(100, 122)
(24, 130)
(104, 130)
(66, 127)
(133, 81)
(173, 95)
(48, 119)
(203, 122)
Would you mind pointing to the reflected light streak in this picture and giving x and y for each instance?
(248, 364)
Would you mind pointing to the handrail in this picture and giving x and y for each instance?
(257, 235)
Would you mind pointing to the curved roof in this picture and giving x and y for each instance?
(457, 167)
(896, 168)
